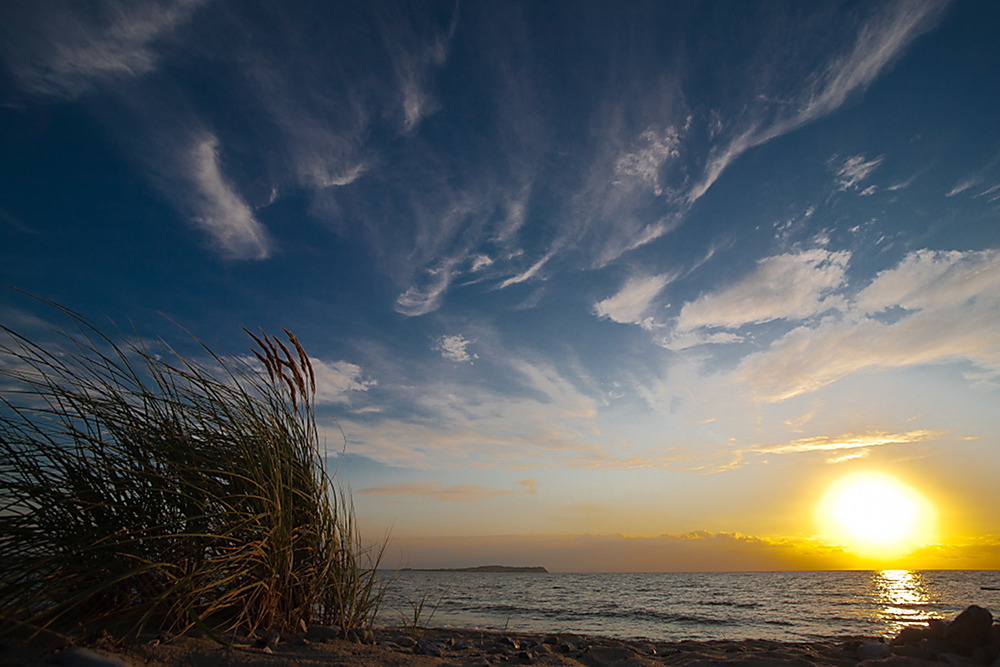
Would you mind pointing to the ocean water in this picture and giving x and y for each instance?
(785, 606)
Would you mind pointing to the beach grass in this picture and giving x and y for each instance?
(141, 488)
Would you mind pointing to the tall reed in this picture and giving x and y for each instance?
(141, 487)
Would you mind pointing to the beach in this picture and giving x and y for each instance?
(389, 647)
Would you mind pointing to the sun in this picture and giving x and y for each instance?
(875, 515)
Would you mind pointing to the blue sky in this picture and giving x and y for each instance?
(648, 274)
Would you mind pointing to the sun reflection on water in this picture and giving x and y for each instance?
(900, 595)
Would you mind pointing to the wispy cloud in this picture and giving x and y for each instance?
(633, 301)
(964, 185)
(454, 347)
(946, 306)
(15, 223)
(847, 442)
(65, 48)
(879, 43)
(976, 179)
(422, 299)
(336, 380)
(438, 492)
(643, 162)
(218, 209)
(531, 272)
(683, 340)
(902, 185)
(624, 203)
(791, 286)
(850, 172)
(413, 61)
(539, 417)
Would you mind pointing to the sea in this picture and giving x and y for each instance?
(782, 606)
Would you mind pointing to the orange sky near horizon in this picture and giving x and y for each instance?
(775, 526)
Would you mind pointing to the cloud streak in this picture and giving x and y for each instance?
(219, 210)
(632, 302)
(852, 171)
(847, 442)
(948, 311)
(879, 43)
(792, 286)
(65, 48)
(438, 492)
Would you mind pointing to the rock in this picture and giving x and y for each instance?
(911, 634)
(981, 655)
(912, 650)
(551, 639)
(322, 633)
(359, 636)
(406, 642)
(995, 639)
(933, 646)
(84, 657)
(510, 642)
(873, 651)
(935, 628)
(425, 647)
(970, 629)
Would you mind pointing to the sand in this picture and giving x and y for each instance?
(456, 648)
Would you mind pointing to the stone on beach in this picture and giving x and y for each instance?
(873, 651)
(969, 630)
(969, 640)
(970, 635)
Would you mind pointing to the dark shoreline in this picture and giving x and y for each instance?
(970, 639)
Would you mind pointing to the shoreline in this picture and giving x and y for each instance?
(452, 647)
(970, 639)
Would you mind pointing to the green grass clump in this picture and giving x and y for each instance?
(140, 487)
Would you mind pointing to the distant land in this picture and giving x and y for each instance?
(481, 568)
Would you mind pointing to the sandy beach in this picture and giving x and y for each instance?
(385, 647)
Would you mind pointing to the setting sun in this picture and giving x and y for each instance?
(875, 515)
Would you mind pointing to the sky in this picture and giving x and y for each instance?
(592, 286)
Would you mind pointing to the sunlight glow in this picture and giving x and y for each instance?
(901, 595)
(875, 516)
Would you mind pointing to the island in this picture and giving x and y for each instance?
(480, 568)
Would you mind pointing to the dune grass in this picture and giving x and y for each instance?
(140, 488)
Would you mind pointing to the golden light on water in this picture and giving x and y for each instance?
(875, 515)
(899, 594)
